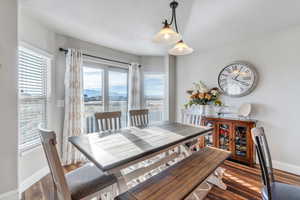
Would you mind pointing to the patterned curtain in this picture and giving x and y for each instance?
(74, 106)
(134, 85)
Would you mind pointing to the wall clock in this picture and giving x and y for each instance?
(238, 79)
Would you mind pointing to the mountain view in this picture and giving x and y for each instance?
(116, 93)
(153, 85)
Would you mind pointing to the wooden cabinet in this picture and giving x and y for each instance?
(232, 135)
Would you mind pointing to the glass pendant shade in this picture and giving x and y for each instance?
(181, 49)
(167, 36)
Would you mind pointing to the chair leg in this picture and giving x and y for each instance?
(54, 195)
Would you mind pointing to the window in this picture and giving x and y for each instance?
(154, 95)
(93, 90)
(105, 90)
(33, 92)
(118, 93)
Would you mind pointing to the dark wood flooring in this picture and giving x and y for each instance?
(242, 183)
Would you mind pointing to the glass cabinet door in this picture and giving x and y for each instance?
(223, 130)
(241, 148)
(208, 139)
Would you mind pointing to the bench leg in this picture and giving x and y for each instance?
(216, 178)
(115, 191)
(195, 196)
(186, 151)
(200, 192)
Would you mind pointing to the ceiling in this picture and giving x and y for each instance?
(129, 25)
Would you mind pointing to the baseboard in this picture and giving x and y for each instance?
(11, 195)
(33, 179)
(294, 169)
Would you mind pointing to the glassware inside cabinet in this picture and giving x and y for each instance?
(224, 132)
(241, 141)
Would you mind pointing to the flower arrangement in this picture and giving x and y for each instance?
(202, 95)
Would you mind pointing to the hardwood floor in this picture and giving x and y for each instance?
(242, 183)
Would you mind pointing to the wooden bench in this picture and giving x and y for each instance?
(179, 180)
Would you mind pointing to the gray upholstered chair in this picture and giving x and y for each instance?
(108, 121)
(139, 118)
(272, 190)
(83, 183)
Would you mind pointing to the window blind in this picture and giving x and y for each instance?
(32, 85)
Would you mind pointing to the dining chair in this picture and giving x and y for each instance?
(139, 118)
(272, 189)
(192, 117)
(84, 183)
(108, 121)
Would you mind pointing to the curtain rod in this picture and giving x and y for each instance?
(98, 57)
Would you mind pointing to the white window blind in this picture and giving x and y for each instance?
(32, 85)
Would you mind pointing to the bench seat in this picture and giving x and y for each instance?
(179, 180)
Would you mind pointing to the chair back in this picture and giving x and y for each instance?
(139, 118)
(48, 139)
(108, 121)
(191, 116)
(264, 156)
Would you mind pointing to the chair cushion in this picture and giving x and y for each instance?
(87, 180)
(281, 191)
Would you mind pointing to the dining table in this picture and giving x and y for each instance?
(114, 151)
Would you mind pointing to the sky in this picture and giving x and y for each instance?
(92, 78)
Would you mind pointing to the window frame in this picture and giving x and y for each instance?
(49, 59)
(144, 99)
(105, 79)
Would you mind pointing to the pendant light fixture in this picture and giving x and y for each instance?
(168, 36)
(181, 49)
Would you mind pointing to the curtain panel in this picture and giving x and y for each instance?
(74, 106)
(134, 85)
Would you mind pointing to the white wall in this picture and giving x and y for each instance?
(277, 97)
(8, 100)
(153, 64)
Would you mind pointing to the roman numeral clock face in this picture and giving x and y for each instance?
(238, 79)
